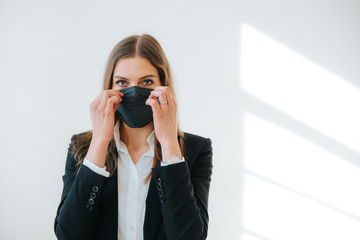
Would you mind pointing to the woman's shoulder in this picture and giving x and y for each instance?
(79, 135)
(80, 140)
(194, 137)
(196, 141)
(198, 150)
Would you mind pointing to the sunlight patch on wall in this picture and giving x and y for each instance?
(276, 213)
(294, 187)
(291, 83)
(278, 154)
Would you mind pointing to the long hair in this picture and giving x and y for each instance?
(147, 47)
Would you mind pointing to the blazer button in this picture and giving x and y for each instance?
(159, 181)
(88, 207)
(91, 201)
(159, 187)
(95, 189)
(92, 195)
(161, 193)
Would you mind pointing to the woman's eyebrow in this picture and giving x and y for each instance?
(146, 76)
(119, 77)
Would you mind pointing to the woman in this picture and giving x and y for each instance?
(136, 175)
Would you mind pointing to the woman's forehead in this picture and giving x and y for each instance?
(134, 67)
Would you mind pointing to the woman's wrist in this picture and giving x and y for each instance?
(97, 152)
(169, 149)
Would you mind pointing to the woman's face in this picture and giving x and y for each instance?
(136, 71)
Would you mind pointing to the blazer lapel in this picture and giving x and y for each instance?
(152, 212)
(110, 207)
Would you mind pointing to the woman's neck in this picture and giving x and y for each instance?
(135, 138)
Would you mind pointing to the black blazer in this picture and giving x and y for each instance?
(176, 203)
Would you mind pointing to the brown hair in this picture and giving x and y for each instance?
(147, 47)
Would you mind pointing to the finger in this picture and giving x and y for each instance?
(110, 105)
(174, 103)
(153, 103)
(161, 94)
(111, 92)
(117, 92)
(102, 105)
(106, 95)
(170, 98)
(116, 104)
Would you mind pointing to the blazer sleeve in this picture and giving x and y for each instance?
(78, 209)
(184, 195)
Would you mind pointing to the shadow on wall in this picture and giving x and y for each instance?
(299, 146)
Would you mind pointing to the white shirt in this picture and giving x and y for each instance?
(132, 191)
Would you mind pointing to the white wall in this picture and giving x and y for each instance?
(274, 84)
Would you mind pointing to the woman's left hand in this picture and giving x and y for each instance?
(164, 115)
(165, 122)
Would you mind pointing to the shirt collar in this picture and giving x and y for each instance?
(120, 145)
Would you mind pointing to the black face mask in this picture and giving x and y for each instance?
(132, 109)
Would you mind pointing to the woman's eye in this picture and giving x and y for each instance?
(121, 81)
(148, 81)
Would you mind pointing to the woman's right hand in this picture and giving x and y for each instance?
(102, 111)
